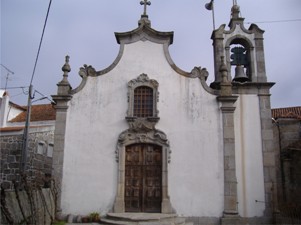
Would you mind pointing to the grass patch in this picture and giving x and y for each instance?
(58, 223)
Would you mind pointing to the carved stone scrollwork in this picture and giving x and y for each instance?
(142, 135)
(87, 71)
(140, 124)
(199, 72)
(142, 79)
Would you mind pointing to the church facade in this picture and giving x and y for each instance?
(144, 136)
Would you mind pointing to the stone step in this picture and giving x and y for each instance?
(143, 219)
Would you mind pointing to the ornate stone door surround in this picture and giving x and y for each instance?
(130, 137)
(142, 131)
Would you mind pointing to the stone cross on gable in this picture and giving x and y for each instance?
(145, 3)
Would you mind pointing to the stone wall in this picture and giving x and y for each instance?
(290, 131)
(28, 207)
(39, 157)
(287, 134)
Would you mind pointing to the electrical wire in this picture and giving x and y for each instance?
(276, 21)
(16, 87)
(17, 94)
(39, 93)
(43, 96)
(41, 40)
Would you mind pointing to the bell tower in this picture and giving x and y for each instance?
(240, 78)
(242, 48)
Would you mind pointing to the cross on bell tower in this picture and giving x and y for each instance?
(145, 3)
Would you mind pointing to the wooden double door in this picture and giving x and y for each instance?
(143, 178)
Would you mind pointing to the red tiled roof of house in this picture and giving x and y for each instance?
(5, 93)
(289, 112)
(9, 129)
(17, 106)
(38, 113)
(19, 128)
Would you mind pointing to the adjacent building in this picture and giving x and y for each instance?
(40, 143)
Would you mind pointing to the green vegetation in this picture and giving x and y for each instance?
(94, 216)
(58, 223)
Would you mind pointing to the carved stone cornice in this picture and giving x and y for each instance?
(142, 79)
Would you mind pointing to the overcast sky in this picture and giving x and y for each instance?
(84, 30)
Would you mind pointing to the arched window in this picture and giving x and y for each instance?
(143, 96)
(143, 101)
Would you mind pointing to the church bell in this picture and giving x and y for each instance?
(240, 75)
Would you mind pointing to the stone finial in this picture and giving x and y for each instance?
(226, 86)
(66, 69)
(64, 86)
(66, 66)
(235, 16)
(235, 11)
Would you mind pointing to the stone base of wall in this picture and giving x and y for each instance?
(204, 220)
(230, 221)
(37, 208)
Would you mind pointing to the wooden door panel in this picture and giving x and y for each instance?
(143, 178)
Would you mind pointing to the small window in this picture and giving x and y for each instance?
(50, 150)
(40, 149)
(143, 102)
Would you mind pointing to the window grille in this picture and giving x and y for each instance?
(143, 101)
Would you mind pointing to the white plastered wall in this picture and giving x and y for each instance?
(249, 162)
(189, 116)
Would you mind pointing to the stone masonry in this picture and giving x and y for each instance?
(287, 136)
(39, 158)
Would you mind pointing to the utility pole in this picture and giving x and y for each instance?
(26, 132)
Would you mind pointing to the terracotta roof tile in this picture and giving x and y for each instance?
(18, 128)
(289, 112)
(17, 106)
(38, 113)
(9, 129)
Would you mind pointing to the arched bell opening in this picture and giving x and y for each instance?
(240, 60)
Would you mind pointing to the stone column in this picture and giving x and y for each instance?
(61, 107)
(259, 53)
(230, 181)
(268, 151)
(227, 101)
